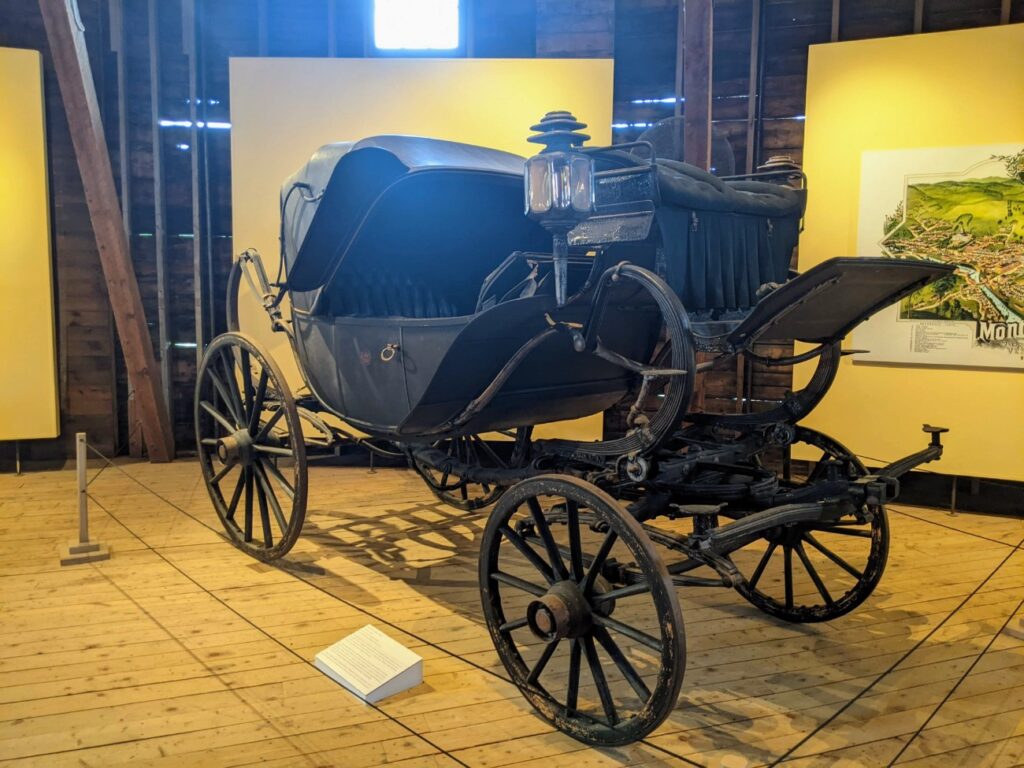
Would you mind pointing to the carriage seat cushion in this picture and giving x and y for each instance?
(377, 294)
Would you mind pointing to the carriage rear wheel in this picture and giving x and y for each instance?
(809, 572)
(251, 449)
(457, 491)
(581, 610)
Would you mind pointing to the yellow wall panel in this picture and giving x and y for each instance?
(282, 110)
(936, 90)
(28, 370)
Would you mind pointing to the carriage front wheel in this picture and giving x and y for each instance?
(250, 444)
(581, 610)
(811, 572)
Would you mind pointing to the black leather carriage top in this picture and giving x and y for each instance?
(383, 195)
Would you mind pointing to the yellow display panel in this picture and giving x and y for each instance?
(282, 110)
(28, 367)
(937, 90)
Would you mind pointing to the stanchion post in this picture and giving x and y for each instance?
(83, 550)
(83, 484)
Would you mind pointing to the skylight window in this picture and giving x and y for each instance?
(416, 25)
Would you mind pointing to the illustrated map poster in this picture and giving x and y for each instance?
(957, 205)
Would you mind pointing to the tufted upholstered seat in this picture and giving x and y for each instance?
(376, 294)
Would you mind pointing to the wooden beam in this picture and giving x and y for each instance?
(837, 11)
(1004, 12)
(677, 106)
(918, 16)
(753, 85)
(697, 62)
(119, 45)
(74, 74)
(189, 30)
(163, 314)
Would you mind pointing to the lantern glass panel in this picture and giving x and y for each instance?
(539, 186)
(582, 183)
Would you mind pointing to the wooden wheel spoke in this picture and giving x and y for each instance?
(572, 520)
(842, 531)
(261, 497)
(257, 403)
(599, 680)
(227, 364)
(765, 559)
(215, 480)
(573, 691)
(545, 657)
(625, 667)
(265, 429)
(247, 388)
(508, 626)
(544, 531)
(274, 450)
(802, 554)
(787, 557)
(275, 506)
(239, 487)
(832, 556)
(528, 552)
(219, 417)
(820, 467)
(517, 583)
(226, 397)
(639, 588)
(271, 469)
(248, 504)
(598, 561)
(631, 632)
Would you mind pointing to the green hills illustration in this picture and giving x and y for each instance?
(977, 224)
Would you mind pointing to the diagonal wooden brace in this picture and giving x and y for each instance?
(71, 61)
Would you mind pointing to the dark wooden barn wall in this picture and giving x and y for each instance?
(641, 34)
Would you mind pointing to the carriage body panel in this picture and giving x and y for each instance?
(388, 241)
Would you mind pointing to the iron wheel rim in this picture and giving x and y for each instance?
(799, 546)
(247, 423)
(660, 699)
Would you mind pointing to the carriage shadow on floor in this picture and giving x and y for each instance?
(414, 565)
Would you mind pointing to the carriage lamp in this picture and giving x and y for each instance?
(559, 187)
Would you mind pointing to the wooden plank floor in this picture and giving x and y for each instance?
(180, 650)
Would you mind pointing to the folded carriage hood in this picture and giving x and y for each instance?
(687, 186)
(324, 203)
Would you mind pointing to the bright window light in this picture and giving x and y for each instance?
(419, 25)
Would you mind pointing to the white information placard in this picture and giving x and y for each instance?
(371, 664)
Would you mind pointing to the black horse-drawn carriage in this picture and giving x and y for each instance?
(441, 322)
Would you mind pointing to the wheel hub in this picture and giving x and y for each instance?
(562, 612)
(236, 448)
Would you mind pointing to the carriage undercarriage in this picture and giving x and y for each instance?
(587, 543)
